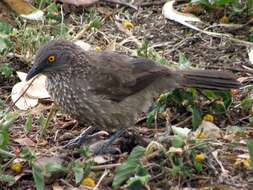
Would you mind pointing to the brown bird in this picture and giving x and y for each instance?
(108, 90)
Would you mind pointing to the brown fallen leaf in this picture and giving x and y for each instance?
(25, 141)
(24, 9)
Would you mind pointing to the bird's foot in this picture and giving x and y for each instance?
(105, 148)
(101, 146)
(79, 140)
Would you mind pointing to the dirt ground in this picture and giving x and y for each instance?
(168, 39)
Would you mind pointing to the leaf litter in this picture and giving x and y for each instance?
(179, 161)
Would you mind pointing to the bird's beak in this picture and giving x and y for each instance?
(33, 72)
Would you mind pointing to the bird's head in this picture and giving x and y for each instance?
(55, 56)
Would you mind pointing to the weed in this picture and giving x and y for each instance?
(6, 71)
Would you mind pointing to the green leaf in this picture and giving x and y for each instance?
(3, 44)
(54, 168)
(5, 31)
(123, 173)
(128, 168)
(138, 181)
(246, 104)
(175, 170)
(250, 147)
(136, 153)
(5, 28)
(196, 115)
(198, 166)
(38, 177)
(225, 96)
(151, 117)
(60, 30)
(42, 120)
(2, 105)
(78, 171)
(177, 141)
(7, 179)
(4, 137)
(8, 119)
(53, 12)
(5, 124)
(28, 124)
(27, 155)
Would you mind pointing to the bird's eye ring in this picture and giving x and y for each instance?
(51, 58)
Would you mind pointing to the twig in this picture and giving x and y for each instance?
(148, 4)
(51, 113)
(4, 152)
(66, 183)
(223, 170)
(108, 166)
(5, 166)
(82, 32)
(122, 3)
(12, 105)
(230, 68)
(101, 178)
(184, 121)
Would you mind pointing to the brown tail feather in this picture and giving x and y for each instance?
(209, 79)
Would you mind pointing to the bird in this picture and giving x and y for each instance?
(109, 90)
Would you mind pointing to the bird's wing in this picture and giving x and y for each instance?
(116, 76)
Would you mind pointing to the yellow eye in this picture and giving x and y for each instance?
(51, 58)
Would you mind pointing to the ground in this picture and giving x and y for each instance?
(165, 40)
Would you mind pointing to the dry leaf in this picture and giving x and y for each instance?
(25, 9)
(182, 132)
(102, 159)
(25, 141)
(170, 13)
(24, 103)
(56, 186)
(83, 45)
(38, 88)
(172, 149)
(30, 98)
(111, 46)
(209, 130)
(152, 147)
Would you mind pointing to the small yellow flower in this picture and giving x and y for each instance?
(224, 20)
(98, 48)
(201, 135)
(89, 182)
(200, 157)
(128, 25)
(208, 117)
(247, 164)
(243, 163)
(16, 167)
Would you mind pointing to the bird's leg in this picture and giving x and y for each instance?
(79, 140)
(110, 141)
